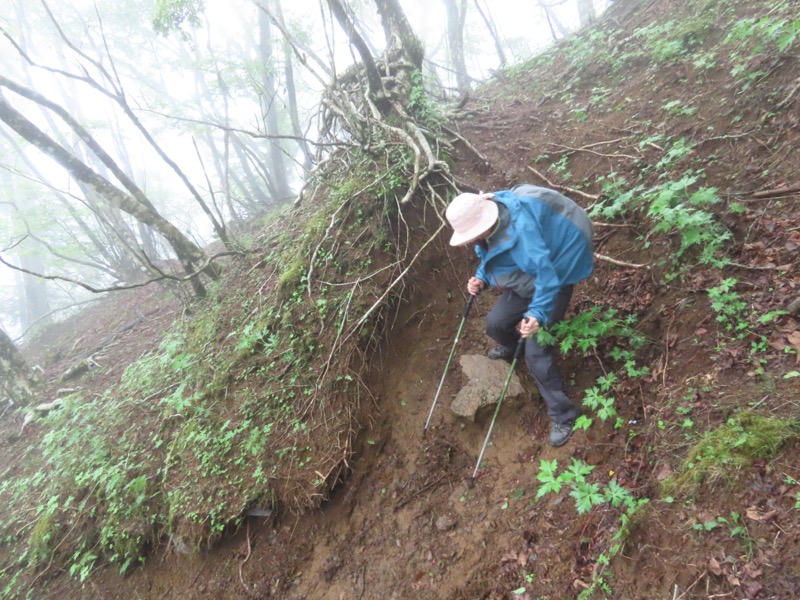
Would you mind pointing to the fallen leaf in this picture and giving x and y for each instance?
(713, 566)
(665, 472)
(752, 589)
(755, 515)
(579, 584)
(751, 571)
(508, 557)
(778, 343)
(734, 581)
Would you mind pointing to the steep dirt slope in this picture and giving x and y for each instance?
(405, 523)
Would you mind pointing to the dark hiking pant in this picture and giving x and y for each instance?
(501, 325)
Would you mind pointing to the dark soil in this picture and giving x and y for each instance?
(406, 522)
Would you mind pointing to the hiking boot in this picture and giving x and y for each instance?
(560, 433)
(501, 352)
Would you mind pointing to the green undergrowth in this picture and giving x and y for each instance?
(722, 454)
(660, 184)
(659, 170)
(590, 494)
(250, 401)
(622, 344)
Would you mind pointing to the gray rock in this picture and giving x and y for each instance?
(793, 307)
(445, 523)
(485, 379)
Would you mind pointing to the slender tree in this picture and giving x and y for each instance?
(291, 91)
(456, 18)
(18, 382)
(186, 251)
(489, 22)
(346, 20)
(556, 28)
(586, 12)
(270, 107)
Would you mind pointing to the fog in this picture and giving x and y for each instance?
(183, 88)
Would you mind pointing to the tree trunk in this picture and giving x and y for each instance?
(108, 255)
(347, 22)
(456, 17)
(489, 22)
(553, 21)
(257, 184)
(188, 253)
(303, 51)
(400, 38)
(291, 92)
(37, 304)
(270, 107)
(404, 52)
(586, 13)
(17, 381)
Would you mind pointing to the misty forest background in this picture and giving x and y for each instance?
(151, 129)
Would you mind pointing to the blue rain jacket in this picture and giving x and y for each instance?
(543, 242)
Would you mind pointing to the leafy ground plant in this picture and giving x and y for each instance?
(588, 495)
(217, 417)
(721, 454)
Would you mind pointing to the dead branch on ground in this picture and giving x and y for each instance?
(593, 197)
(777, 192)
(568, 149)
(467, 143)
(246, 587)
(620, 263)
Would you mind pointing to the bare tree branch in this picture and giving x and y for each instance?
(51, 313)
(131, 286)
(118, 96)
(302, 52)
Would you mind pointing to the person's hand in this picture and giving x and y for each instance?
(474, 286)
(528, 326)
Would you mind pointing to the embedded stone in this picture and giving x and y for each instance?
(485, 380)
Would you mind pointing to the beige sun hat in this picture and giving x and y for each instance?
(470, 216)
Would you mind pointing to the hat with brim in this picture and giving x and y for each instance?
(471, 216)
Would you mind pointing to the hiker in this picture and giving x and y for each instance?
(534, 244)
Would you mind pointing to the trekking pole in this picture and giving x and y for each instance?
(517, 352)
(450, 358)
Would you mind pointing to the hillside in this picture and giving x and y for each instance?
(303, 387)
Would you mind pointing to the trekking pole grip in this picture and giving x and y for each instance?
(520, 346)
(469, 304)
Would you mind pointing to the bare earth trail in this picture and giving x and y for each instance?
(405, 523)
